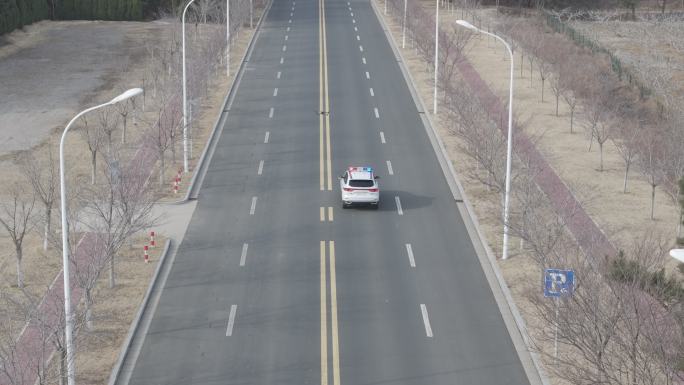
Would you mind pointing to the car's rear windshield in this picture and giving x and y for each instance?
(361, 183)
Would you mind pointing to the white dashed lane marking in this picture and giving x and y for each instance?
(231, 320)
(426, 320)
(361, 48)
(253, 208)
(382, 137)
(275, 91)
(243, 255)
(363, 59)
(261, 168)
(377, 113)
(398, 202)
(278, 75)
(389, 168)
(371, 92)
(266, 136)
(367, 75)
(409, 251)
(270, 113)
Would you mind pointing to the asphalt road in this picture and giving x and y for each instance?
(269, 288)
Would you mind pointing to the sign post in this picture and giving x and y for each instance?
(558, 283)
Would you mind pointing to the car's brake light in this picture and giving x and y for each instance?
(373, 190)
(348, 189)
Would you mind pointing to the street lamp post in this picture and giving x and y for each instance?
(434, 96)
(185, 101)
(228, 38)
(509, 148)
(69, 327)
(403, 28)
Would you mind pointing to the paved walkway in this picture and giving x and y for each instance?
(587, 233)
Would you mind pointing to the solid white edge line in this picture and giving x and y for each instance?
(278, 75)
(399, 209)
(382, 137)
(270, 113)
(231, 320)
(254, 201)
(261, 167)
(409, 250)
(371, 92)
(243, 255)
(389, 168)
(377, 113)
(426, 320)
(275, 91)
(266, 136)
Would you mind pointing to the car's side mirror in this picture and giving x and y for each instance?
(340, 177)
(377, 177)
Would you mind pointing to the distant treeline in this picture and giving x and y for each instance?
(18, 13)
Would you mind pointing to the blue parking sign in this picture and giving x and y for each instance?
(558, 283)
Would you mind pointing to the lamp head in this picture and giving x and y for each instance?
(127, 95)
(464, 23)
(677, 254)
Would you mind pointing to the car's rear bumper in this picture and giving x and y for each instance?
(369, 198)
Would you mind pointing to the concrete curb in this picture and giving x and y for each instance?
(210, 146)
(516, 326)
(114, 376)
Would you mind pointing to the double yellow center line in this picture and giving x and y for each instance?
(324, 102)
(333, 316)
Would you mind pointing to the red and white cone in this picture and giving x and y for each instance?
(147, 255)
(175, 185)
(152, 243)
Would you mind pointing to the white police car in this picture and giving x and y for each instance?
(359, 185)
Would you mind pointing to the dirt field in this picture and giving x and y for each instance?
(623, 217)
(107, 58)
(647, 48)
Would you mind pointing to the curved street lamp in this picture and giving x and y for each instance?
(69, 327)
(509, 148)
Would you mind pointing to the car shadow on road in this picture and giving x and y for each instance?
(408, 201)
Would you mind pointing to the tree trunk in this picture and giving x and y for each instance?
(624, 185)
(557, 96)
(93, 164)
(572, 118)
(161, 169)
(89, 309)
(123, 132)
(112, 277)
(653, 188)
(20, 271)
(542, 79)
(48, 223)
(62, 367)
(522, 62)
(600, 155)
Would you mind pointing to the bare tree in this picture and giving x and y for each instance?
(107, 120)
(16, 214)
(650, 160)
(42, 175)
(162, 132)
(626, 138)
(94, 138)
